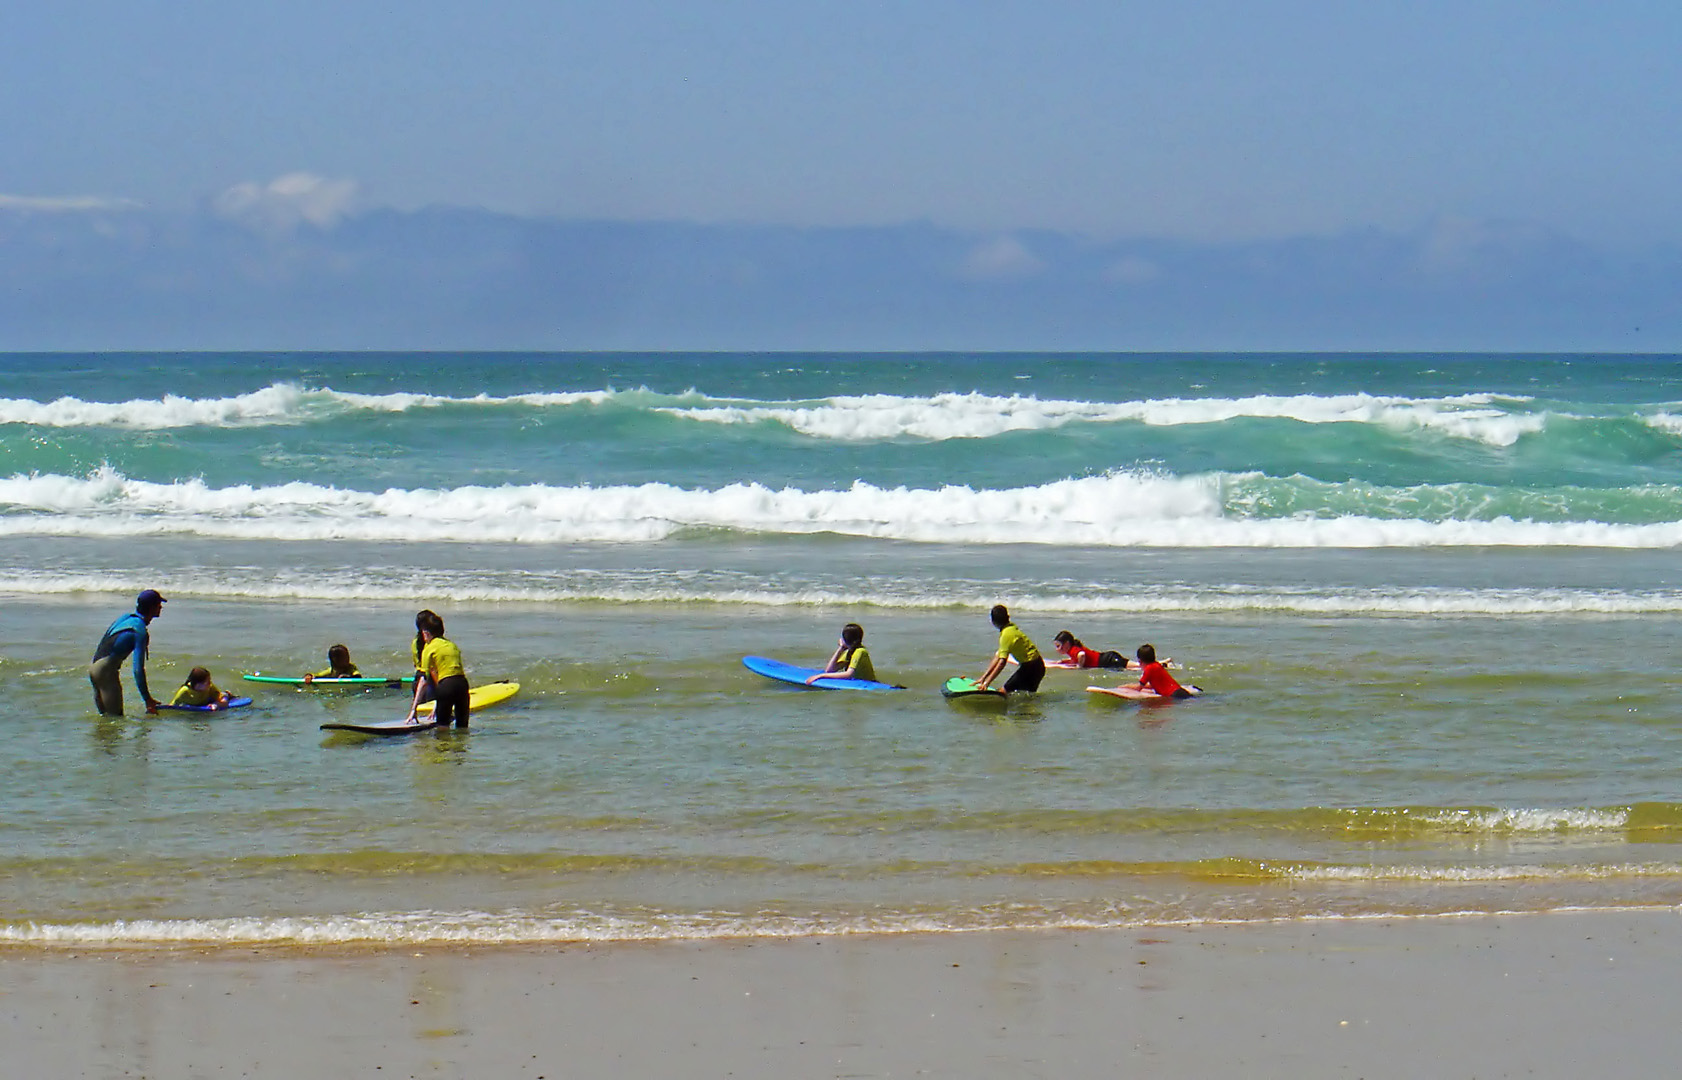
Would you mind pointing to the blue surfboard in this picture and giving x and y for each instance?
(233, 703)
(797, 676)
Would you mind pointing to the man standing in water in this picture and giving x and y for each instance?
(126, 637)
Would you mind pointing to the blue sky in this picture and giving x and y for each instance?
(1217, 123)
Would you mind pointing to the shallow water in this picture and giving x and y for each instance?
(1393, 728)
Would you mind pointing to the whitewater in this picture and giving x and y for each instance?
(1495, 420)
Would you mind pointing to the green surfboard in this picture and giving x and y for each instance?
(297, 680)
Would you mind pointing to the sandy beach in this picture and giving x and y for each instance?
(1557, 995)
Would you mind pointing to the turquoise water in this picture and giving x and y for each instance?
(1433, 599)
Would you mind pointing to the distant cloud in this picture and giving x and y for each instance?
(286, 202)
(1001, 259)
(65, 204)
(1456, 247)
(1132, 270)
(468, 278)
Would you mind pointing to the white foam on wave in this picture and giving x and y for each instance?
(281, 403)
(486, 928)
(1479, 874)
(1475, 417)
(879, 591)
(1667, 422)
(386, 929)
(1531, 820)
(1421, 602)
(1116, 510)
(1478, 417)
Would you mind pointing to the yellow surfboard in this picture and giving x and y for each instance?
(479, 697)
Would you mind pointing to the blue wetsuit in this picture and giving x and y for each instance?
(127, 636)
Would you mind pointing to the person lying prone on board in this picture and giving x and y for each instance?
(851, 660)
(1155, 678)
(199, 690)
(1077, 655)
(338, 666)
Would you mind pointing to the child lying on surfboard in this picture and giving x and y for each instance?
(338, 666)
(851, 660)
(1155, 678)
(199, 690)
(1077, 655)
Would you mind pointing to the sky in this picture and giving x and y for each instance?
(1215, 125)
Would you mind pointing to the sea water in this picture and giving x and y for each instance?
(1433, 601)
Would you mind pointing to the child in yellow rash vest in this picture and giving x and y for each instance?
(440, 670)
(851, 660)
(338, 666)
(199, 690)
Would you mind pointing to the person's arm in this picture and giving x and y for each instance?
(140, 639)
(422, 677)
(993, 670)
(847, 673)
(832, 669)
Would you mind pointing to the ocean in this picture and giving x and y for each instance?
(1433, 601)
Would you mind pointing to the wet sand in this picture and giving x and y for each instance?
(1559, 995)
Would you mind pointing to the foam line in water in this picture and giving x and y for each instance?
(1478, 874)
(1479, 417)
(1115, 510)
(280, 403)
(1491, 419)
(1667, 422)
(883, 590)
(485, 928)
(386, 929)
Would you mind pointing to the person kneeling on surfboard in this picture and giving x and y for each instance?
(441, 671)
(1154, 677)
(338, 666)
(199, 690)
(851, 660)
(1013, 642)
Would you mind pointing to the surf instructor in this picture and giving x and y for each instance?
(1013, 643)
(126, 637)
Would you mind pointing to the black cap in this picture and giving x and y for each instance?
(149, 596)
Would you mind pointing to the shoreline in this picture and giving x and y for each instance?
(1549, 994)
